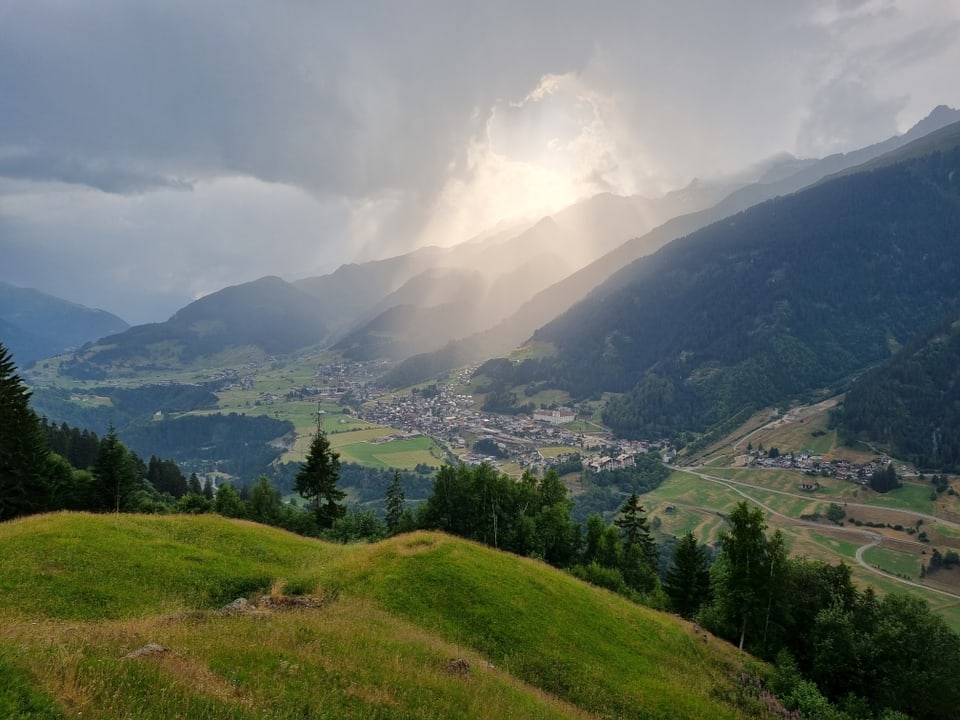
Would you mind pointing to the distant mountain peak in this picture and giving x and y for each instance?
(940, 116)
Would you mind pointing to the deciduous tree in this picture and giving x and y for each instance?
(744, 581)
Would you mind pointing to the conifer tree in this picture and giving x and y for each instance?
(687, 582)
(23, 450)
(640, 557)
(318, 477)
(395, 503)
(116, 472)
(632, 522)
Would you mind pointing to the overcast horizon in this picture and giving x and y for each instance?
(154, 152)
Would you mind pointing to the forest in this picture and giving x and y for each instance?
(911, 405)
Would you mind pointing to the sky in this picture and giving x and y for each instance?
(153, 151)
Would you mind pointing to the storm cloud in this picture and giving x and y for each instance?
(151, 152)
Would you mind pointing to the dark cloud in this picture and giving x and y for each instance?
(377, 125)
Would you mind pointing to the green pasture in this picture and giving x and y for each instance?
(706, 526)
(403, 453)
(845, 550)
(377, 642)
(553, 451)
(892, 561)
(544, 398)
(908, 497)
(533, 350)
(689, 489)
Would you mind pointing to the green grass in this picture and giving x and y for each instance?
(898, 563)
(533, 350)
(908, 497)
(142, 565)
(845, 550)
(544, 398)
(403, 453)
(539, 643)
(689, 489)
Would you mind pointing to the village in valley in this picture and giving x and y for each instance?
(450, 416)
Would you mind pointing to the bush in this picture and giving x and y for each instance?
(609, 578)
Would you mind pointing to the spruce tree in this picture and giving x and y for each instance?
(23, 450)
(395, 503)
(116, 472)
(640, 557)
(687, 582)
(632, 522)
(318, 477)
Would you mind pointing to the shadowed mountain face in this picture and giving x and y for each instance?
(267, 316)
(911, 404)
(781, 178)
(34, 325)
(470, 293)
(775, 302)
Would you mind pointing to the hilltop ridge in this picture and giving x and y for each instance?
(535, 642)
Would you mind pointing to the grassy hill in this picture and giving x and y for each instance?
(79, 593)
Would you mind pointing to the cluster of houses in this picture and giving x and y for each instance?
(814, 465)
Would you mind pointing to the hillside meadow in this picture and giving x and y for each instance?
(79, 593)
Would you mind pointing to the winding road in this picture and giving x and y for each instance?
(873, 538)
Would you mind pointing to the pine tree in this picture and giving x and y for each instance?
(640, 556)
(116, 473)
(193, 485)
(23, 450)
(632, 522)
(318, 477)
(687, 582)
(395, 503)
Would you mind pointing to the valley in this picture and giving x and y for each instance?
(479, 360)
(440, 423)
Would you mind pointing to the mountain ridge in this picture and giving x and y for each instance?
(561, 296)
(36, 325)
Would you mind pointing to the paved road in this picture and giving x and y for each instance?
(847, 503)
(874, 538)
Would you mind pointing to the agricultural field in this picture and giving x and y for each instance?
(554, 451)
(404, 453)
(686, 502)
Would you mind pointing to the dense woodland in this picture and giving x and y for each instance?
(912, 403)
(233, 443)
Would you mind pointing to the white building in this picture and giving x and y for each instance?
(554, 417)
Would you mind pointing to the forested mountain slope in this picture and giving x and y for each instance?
(912, 403)
(775, 302)
(782, 179)
(268, 315)
(35, 325)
